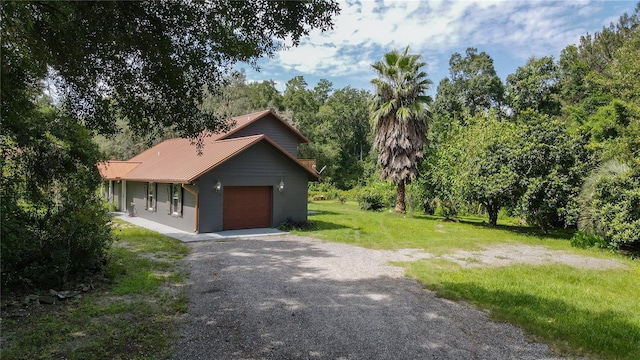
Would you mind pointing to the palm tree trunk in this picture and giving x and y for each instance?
(400, 204)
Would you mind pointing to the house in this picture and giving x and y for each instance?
(247, 177)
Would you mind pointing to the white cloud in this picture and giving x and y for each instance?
(366, 29)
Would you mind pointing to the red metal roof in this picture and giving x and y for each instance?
(114, 170)
(178, 161)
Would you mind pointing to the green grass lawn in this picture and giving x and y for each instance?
(131, 316)
(577, 311)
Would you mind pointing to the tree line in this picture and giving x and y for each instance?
(557, 143)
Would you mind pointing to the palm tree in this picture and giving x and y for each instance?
(398, 115)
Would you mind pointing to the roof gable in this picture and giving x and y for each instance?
(244, 121)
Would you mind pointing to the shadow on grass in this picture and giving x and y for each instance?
(606, 333)
(323, 212)
(524, 230)
(323, 225)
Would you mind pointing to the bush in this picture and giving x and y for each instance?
(289, 225)
(583, 240)
(610, 205)
(446, 208)
(325, 191)
(371, 201)
(375, 196)
(54, 227)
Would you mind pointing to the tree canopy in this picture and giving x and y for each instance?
(147, 62)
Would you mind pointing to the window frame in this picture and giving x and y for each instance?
(175, 200)
(152, 196)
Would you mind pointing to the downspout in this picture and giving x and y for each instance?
(197, 209)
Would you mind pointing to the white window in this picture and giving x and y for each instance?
(176, 199)
(151, 196)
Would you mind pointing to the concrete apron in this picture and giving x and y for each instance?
(186, 236)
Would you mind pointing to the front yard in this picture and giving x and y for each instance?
(581, 302)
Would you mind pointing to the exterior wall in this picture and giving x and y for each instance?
(260, 165)
(137, 193)
(277, 132)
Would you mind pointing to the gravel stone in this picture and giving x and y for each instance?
(291, 297)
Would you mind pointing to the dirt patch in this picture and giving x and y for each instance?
(504, 255)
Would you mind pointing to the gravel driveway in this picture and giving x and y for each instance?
(291, 297)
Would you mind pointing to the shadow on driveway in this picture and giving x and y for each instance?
(292, 297)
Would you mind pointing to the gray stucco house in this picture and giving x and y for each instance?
(247, 177)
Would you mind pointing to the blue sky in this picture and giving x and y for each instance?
(509, 31)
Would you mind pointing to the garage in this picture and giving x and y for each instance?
(246, 207)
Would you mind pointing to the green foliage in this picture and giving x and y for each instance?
(54, 226)
(472, 86)
(610, 205)
(583, 240)
(337, 124)
(531, 164)
(375, 196)
(132, 59)
(551, 164)
(291, 225)
(343, 130)
(326, 191)
(238, 97)
(534, 87)
(479, 164)
(614, 131)
(371, 201)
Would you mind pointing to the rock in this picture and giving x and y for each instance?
(14, 303)
(18, 313)
(53, 292)
(68, 294)
(30, 299)
(47, 300)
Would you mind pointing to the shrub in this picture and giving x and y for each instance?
(446, 208)
(610, 205)
(583, 240)
(289, 225)
(54, 227)
(371, 201)
(375, 196)
(325, 191)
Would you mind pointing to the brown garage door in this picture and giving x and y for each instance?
(246, 207)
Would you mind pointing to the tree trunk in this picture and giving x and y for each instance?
(400, 205)
(542, 224)
(493, 210)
